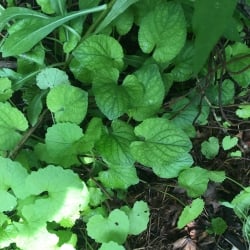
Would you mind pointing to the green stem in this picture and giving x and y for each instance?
(172, 196)
(26, 136)
(235, 182)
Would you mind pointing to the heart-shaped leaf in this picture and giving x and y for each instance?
(114, 228)
(163, 31)
(161, 142)
(195, 180)
(69, 103)
(138, 217)
(51, 77)
(210, 148)
(119, 139)
(60, 144)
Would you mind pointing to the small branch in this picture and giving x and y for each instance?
(12, 155)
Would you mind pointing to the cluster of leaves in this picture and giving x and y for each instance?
(88, 95)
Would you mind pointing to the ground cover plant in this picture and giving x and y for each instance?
(124, 124)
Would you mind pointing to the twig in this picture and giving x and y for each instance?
(12, 155)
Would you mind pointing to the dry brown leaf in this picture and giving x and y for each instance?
(185, 243)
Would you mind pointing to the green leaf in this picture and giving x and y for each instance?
(96, 196)
(32, 60)
(190, 213)
(216, 176)
(243, 111)
(227, 93)
(118, 8)
(51, 77)
(184, 111)
(148, 102)
(114, 146)
(18, 13)
(194, 180)
(228, 142)
(110, 97)
(236, 153)
(238, 61)
(5, 89)
(66, 196)
(60, 144)
(31, 237)
(70, 35)
(241, 203)
(9, 201)
(24, 39)
(218, 226)
(173, 168)
(12, 176)
(91, 136)
(210, 148)
(163, 31)
(69, 103)
(119, 176)
(161, 143)
(95, 53)
(183, 69)
(46, 6)
(124, 22)
(111, 245)
(114, 228)
(12, 122)
(35, 108)
(138, 217)
(209, 14)
(114, 99)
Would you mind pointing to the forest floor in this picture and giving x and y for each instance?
(165, 200)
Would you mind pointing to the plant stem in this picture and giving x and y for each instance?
(235, 182)
(12, 155)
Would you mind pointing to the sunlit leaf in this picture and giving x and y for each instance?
(138, 217)
(51, 77)
(114, 228)
(66, 196)
(69, 103)
(60, 144)
(12, 122)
